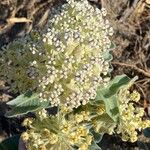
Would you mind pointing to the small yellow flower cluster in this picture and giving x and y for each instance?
(78, 133)
(100, 120)
(80, 137)
(42, 114)
(25, 136)
(27, 122)
(57, 132)
(100, 109)
(130, 116)
(67, 61)
(40, 140)
(83, 116)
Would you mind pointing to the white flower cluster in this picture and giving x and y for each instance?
(76, 40)
(65, 62)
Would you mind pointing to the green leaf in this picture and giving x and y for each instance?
(106, 123)
(94, 146)
(112, 46)
(113, 87)
(105, 118)
(97, 137)
(116, 84)
(10, 143)
(143, 145)
(107, 56)
(25, 103)
(109, 95)
(146, 132)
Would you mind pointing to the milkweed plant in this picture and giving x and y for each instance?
(67, 67)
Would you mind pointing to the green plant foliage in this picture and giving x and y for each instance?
(91, 120)
(109, 95)
(10, 143)
(112, 46)
(146, 132)
(143, 145)
(25, 103)
(97, 137)
(94, 146)
(67, 65)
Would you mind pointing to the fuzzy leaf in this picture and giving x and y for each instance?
(25, 103)
(107, 56)
(146, 132)
(109, 95)
(116, 84)
(94, 146)
(112, 46)
(97, 137)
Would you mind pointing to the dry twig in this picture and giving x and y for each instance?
(146, 73)
(18, 20)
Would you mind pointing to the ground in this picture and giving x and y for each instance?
(131, 22)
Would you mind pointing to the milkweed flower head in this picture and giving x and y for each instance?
(77, 46)
(57, 132)
(129, 119)
(68, 62)
(130, 116)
